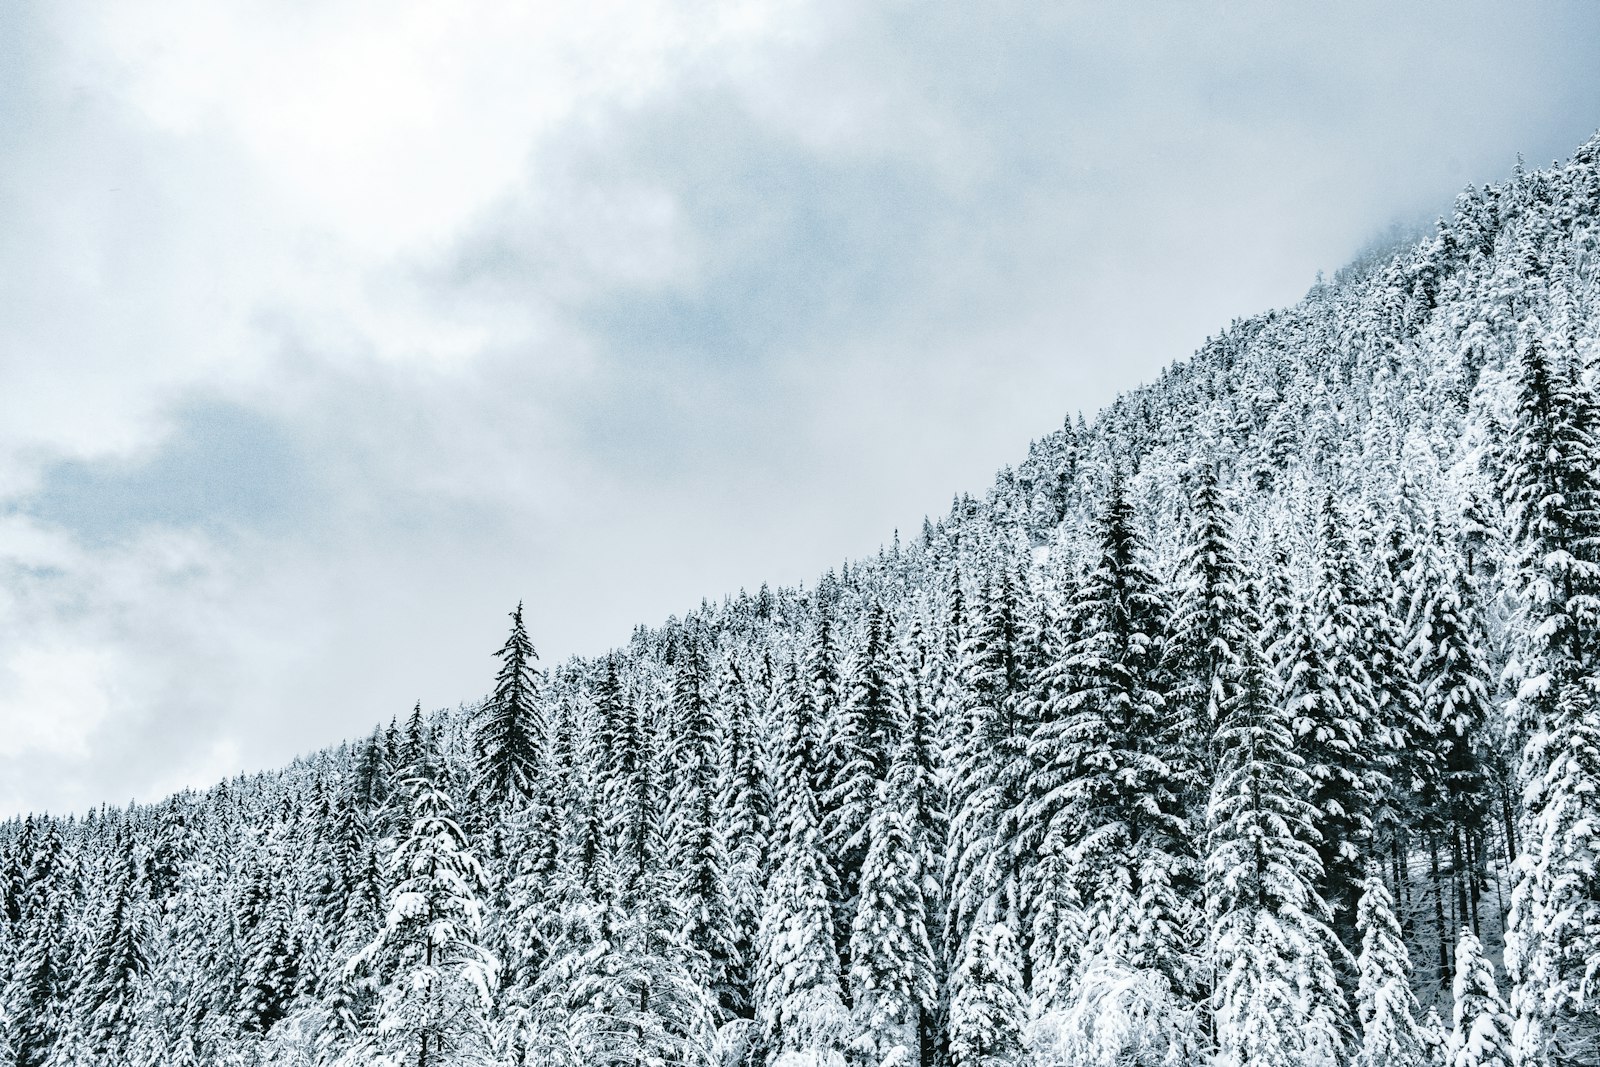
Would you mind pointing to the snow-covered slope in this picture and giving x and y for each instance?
(1200, 738)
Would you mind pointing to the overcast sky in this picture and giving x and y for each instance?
(330, 330)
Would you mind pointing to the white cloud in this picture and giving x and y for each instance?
(392, 124)
(52, 700)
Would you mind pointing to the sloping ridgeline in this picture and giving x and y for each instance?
(1253, 723)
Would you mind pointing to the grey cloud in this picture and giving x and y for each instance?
(220, 466)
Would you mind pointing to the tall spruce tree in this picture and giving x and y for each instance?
(1108, 791)
(512, 730)
(893, 980)
(102, 1005)
(1208, 627)
(1334, 713)
(42, 966)
(1276, 1000)
(432, 976)
(859, 750)
(627, 801)
(1454, 746)
(695, 849)
(990, 765)
(744, 806)
(1552, 490)
(1386, 1007)
(633, 999)
(801, 1004)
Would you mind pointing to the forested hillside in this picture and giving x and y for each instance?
(1252, 723)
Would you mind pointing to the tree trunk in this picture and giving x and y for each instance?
(1506, 814)
(1461, 873)
(1476, 876)
(1438, 912)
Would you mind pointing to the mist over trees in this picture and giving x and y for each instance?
(1256, 722)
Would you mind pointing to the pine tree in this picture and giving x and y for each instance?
(974, 863)
(634, 1001)
(371, 776)
(987, 1012)
(1207, 629)
(859, 750)
(1276, 1001)
(433, 977)
(1448, 763)
(41, 971)
(40, 984)
(627, 803)
(801, 1005)
(1552, 488)
(1385, 1005)
(1108, 795)
(892, 968)
(990, 764)
(509, 738)
(917, 779)
(694, 848)
(1482, 1033)
(103, 1003)
(1334, 712)
(744, 803)
(271, 968)
(581, 781)
(1402, 735)
(417, 750)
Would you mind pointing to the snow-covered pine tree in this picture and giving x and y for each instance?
(629, 813)
(1552, 489)
(918, 779)
(271, 967)
(978, 693)
(1386, 1007)
(989, 766)
(512, 730)
(1207, 627)
(858, 752)
(1276, 1001)
(821, 689)
(1109, 792)
(433, 978)
(1054, 937)
(694, 847)
(987, 1011)
(581, 776)
(417, 749)
(1403, 737)
(15, 857)
(800, 1003)
(1334, 713)
(893, 980)
(1481, 1036)
(102, 1004)
(1448, 659)
(744, 807)
(632, 998)
(41, 969)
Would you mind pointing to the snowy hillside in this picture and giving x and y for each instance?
(1252, 724)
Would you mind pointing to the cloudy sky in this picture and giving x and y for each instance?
(330, 330)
